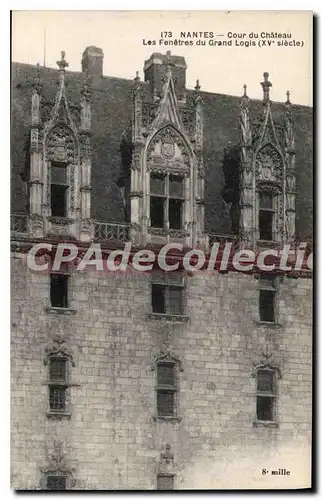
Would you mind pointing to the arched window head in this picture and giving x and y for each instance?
(266, 377)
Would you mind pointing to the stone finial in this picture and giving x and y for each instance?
(62, 64)
(266, 84)
(288, 97)
(137, 77)
(245, 91)
(37, 84)
(86, 91)
(197, 86)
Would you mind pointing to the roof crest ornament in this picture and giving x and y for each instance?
(266, 84)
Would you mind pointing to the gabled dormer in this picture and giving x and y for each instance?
(167, 182)
(60, 166)
(267, 181)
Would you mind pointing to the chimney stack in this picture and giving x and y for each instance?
(155, 72)
(92, 63)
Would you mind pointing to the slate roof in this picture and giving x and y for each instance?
(111, 114)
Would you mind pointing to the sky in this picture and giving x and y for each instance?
(219, 69)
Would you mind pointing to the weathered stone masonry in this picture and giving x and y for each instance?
(113, 146)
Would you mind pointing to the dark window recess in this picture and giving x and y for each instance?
(58, 200)
(266, 225)
(265, 381)
(175, 214)
(166, 374)
(57, 370)
(58, 290)
(57, 398)
(265, 406)
(158, 298)
(165, 403)
(165, 482)
(56, 482)
(156, 212)
(267, 305)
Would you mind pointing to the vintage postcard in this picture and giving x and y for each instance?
(161, 242)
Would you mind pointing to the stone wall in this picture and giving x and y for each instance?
(112, 438)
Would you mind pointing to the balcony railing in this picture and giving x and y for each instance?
(19, 223)
(223, 238)
(111, 232)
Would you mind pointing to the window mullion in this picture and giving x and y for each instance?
(166, 204)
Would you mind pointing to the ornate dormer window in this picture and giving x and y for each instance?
(167, 185)
(266, 207)
(60, 166)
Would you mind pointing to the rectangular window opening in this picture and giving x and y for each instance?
(165, 482)
(175, 214)
(265, 408)
(57, 398)
(165, 403)
(158, 298)
(57, 370)
(266, 225)
(56, 483)
(175, 300)
(157, 185)
(166, 374)
(58, 200)
(267, 305)
(157, 211)
(59, 290)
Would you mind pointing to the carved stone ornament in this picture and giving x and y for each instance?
(58, 348)
(168, 150)
(57, 464)
(166, 456)
(165, 356)
(60, 144)
(265, 363)
(168, 136)
(269, 164)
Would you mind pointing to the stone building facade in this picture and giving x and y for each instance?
(136, 380)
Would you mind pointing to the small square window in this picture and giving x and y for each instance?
(166, 374)
(175, 186)
(165, 482)
(59, 290)
(57, 370)
(57, 398)
(167, 294)
(56, 483)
